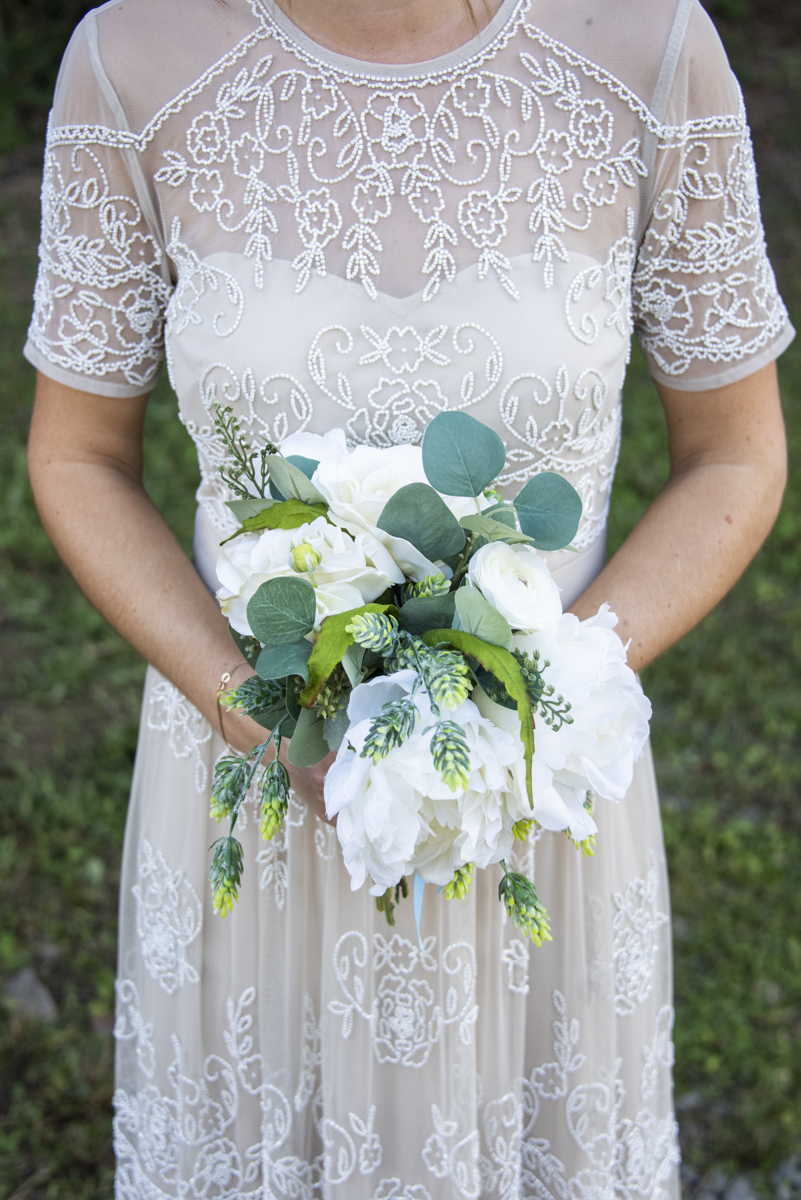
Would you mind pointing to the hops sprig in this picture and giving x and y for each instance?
(522, 828)
(274, 799)
(451, 754)
(406, 654)
(459, 887)
(394, 723)
(374, 631)
(522, 906)
(554, 710)
(230, 782)
(333, 695)
(385, 903)
(447, 677)
(432, 585)
(226, 874)
(256, 696)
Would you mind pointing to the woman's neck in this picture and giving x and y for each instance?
(390, 31)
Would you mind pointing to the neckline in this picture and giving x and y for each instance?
(426, 69)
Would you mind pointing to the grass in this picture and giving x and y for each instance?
(727, 704)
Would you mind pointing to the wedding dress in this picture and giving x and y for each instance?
(318, 242)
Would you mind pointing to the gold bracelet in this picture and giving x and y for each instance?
(225, 679)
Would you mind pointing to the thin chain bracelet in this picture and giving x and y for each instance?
(225, 679)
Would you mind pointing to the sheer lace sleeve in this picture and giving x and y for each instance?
(103, 282)
(706, 308)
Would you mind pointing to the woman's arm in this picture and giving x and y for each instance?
(85, 463)
(728, 467)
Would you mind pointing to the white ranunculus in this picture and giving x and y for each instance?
(314, 445)
(610, 720)
(517, 582)
(346, 572)
(398, 815)
(357, 485)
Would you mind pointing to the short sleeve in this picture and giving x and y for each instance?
(103, 283)
(706, 307)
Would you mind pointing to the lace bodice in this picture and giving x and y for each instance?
(325, 242)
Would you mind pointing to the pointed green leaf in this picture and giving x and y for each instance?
(549, 509)
(422, 517)
(242, 509)
(504, 666)
(276, 662)
(481, 525)
(330, 645)
(308, 745)
(461, 456)
(290, 481)
(478, 617)
(285, 514)
(282, 610)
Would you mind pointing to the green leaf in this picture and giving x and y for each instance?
(549, 509)
(504, 513)
(494, 531)
(276, 662)
(308, 745)
(282, 610)
(477, 616)
(330, 645)
(461, 456)
(418, 514)
(427, 612)
(248, 646)
(284, 514)
(290, 481)
(503, 666)
(242, 509)
(307, 465)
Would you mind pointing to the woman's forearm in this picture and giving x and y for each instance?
(700, 533)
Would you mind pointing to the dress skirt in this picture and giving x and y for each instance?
(303, 1048)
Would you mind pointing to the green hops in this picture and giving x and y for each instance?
(274, 799)
(257, 696)
(448, 678)
(554, 712)
(386, 904)
(522, 906)
(432, 585)
(451, 754)
(406, 654)
(333, 695)
(459, 887)
(374, 631)
(230, 781)
(522, 828)
(587, 846)
(226, 874)
(390, 728)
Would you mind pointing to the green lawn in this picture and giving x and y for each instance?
(727, 704)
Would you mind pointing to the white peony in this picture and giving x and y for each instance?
(397, 815)
(346, 572)
(610, 720)
(357, 485)
(517, 582)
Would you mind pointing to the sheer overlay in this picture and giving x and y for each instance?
(322, 242)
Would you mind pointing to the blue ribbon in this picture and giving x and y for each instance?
(419, 888)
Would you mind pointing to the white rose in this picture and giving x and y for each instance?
(358, 484)
(517, 582)
(609, 710)
(342, 569)
(314, 445)
(398, 815)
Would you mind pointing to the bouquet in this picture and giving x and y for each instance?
(397, 612)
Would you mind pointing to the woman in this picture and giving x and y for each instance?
(356, 213)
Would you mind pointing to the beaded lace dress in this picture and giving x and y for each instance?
(324, 242)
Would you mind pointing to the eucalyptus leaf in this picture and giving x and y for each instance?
(290, 481)
(307, 465)
(422, 613)
(308, 745)
(276, 662)
(549, 509)
(352, 663)
(335, 728)
(293, 705)
(461, 456)
(504, 513)
(282, 610)
(478, 617)
(242, 509)
(420, 516)
(492, 530)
